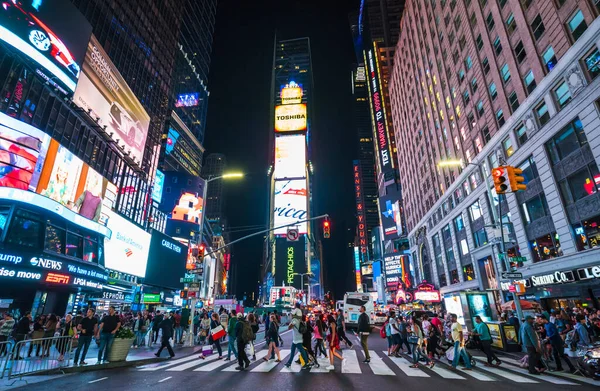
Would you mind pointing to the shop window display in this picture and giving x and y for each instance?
(55, 239)
(587, 233)
(468, 272)
(454, 276)
(545, 247)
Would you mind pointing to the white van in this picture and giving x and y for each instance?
(339, 305)
(352, 303)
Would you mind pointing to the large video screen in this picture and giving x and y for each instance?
(189, 208)
(187, 100)
(64, 177)
(20, 147)
(127, 250)
(52, 33)
(290, 204)
(290, 157)
(103, 90)
(290, 118)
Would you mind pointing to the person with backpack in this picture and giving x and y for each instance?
(231, 332)
(254, 326)
(298, 328)
(403, 327)
(273, 338)
(482, 330)
(243, 335)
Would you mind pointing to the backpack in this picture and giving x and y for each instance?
(247, 334)
(302, 327)
(388, 329)
(382, 332)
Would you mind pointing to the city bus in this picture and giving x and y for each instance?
(352, 303)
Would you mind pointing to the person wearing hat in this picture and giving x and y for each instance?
(531, 344)
(297, 338)
(5, 331)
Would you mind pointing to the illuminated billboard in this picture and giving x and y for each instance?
(64, 176)
(105, 94)
(360, 210)
(157, 187)
(127, 250)
(290, 157)
(391, 216)
(52, 33)
(290, 204)
(291, 93)
(189, 208)
(290, 118)
(187, 100)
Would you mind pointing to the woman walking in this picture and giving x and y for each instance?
(333, 341)
(214, 323)
(49, 330)
(273, 339)
(204, 327)
(320, 331)
(417, 339)
(254, 326)
(67, 330)
(38, 333)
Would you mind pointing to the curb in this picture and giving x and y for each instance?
(96, 367)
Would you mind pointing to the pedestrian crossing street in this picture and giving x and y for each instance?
(380, 365)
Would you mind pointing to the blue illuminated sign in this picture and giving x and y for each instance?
(187, 100)
(157, 189)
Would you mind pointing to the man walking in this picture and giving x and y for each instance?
(341, 329)
(166, 326)
(297, 328)
(395, 332)
(88, 327)
(158, 318)
(22, 329)
(482, 330)
(178, 328)
(403, 328)
(558, 345)
(109, 325)
(242, 357)
(531, 343)
(459, 344)
(232, 336)
(364, 329)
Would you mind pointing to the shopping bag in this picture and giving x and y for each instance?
(217, 333)
(207, 350)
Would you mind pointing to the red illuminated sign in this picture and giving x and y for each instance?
(58, 278)
(360, 208)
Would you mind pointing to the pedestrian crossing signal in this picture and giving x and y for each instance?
(500, 175)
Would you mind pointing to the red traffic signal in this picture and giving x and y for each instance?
(326, 229)
(500, 175)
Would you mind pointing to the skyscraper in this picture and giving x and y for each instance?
(215, 165)
(487, 84)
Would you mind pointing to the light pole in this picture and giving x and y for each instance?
(497, 217)
(190, 339)
(302, 282)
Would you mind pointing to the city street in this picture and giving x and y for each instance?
(383, 373)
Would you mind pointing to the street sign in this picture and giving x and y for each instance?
(292, 234)
(194, 285)
(507, 275)
(187, 279)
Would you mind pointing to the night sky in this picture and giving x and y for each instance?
(238, 122)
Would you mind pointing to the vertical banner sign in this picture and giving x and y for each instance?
(378, 111)
(357, 269)
(360, 210)
(290, 260)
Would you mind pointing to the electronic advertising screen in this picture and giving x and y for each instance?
(290, 157)
(290, 205)
(52, 33)
(187, 100)
(128, 248)
(189, 208)
(20, 147)
(391, 216)
(157, 188)
(65, 173)
(103, 91)
(290, 118)
(166, 261)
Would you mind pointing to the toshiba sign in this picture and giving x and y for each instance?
(290, 118)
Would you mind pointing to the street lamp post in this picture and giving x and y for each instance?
(497, 217)
(302, 281)
(190, 339)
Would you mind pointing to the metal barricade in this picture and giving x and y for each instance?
(6, 348)
(21, 363)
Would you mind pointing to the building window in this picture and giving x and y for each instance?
(466, 188)
(580, 184)
(479, 42)
(475, 211)
(520, 52)
(480, 237)
(562, 94)
(500, 118)
(587, 233)
(511, 25)
(497, 46)
(466, 97)
(486, 65)
(485, 133)
(530, 83)
(473, 19)
(461, 76)
(513, 100)
(502, 3)
(468, 272)
(508, 148)
(493, 91)
(529, 170)
(545, 247)
(505, 72)
(537, 26)
(446, 233)
(535, 208)
(541, 112)
(549, 58)
(521, 133)
(568, 140)
(577, 25)
(591, 63)
(489, 21)
(474, 85)
(459, 224)
(462, 41)
(468, 63)
(480, 110)
(526, 3)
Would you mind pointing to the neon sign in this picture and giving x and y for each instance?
(58, 278)
(360, 208)
(290, 265)
(357, 268)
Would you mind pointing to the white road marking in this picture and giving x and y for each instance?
(549, 379)
(324, 363)
(378, 366)
(350, 362)
(446, 374)
(404, 366)
(268, 366)
(156, 367)
(294, 368)
(194, 363)
(97, 380)
(259, 356)
(165, 379)
(507, 375)
(476, 374)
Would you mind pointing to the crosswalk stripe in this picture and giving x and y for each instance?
(378, 366)
(549, 379)
(268, 366)
(446, 374)
(324, 363)
(294, 368)
(259, 356)
(156, 367)
(404, 366)
(192, 364)
(350, 362)
(476, 374)
(507, 375)
(561, 374)
(212, 366)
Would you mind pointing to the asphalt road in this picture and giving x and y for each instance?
(382, 373)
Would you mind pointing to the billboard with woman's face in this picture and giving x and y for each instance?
(64, 177)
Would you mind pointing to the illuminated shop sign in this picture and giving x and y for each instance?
(187, 100)
(171, 246)
(10, 258)
(86, 283)
(19, 274)
(360, 209)
(127, 251)
(553, 278)
(393, 271)
(291, 93)
(113, 296)
(290, 265)
(357, 269)
(62, 279)
(45, 263)
(427, 292)
(290, 118)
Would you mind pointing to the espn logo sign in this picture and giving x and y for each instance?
(58, 278)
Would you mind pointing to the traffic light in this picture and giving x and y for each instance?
(183, 294)
(500, 175)
(201, 249)
(326, 229)
(515, 179)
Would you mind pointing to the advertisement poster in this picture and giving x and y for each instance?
(290, 118)
(290, 157)
(157, 187)
(39, 30)
(289, 260)
(393, 271)
(64, 177)
(496, 335)
(479, 305)
(189, 208)
(103, 90)
(20, 148)
(511, 334)
(166, 261)
(127, 250)
(187, 100)
(290, 204)
(454, 306)
(391, 216)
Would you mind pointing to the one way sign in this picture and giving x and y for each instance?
(292, 234)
